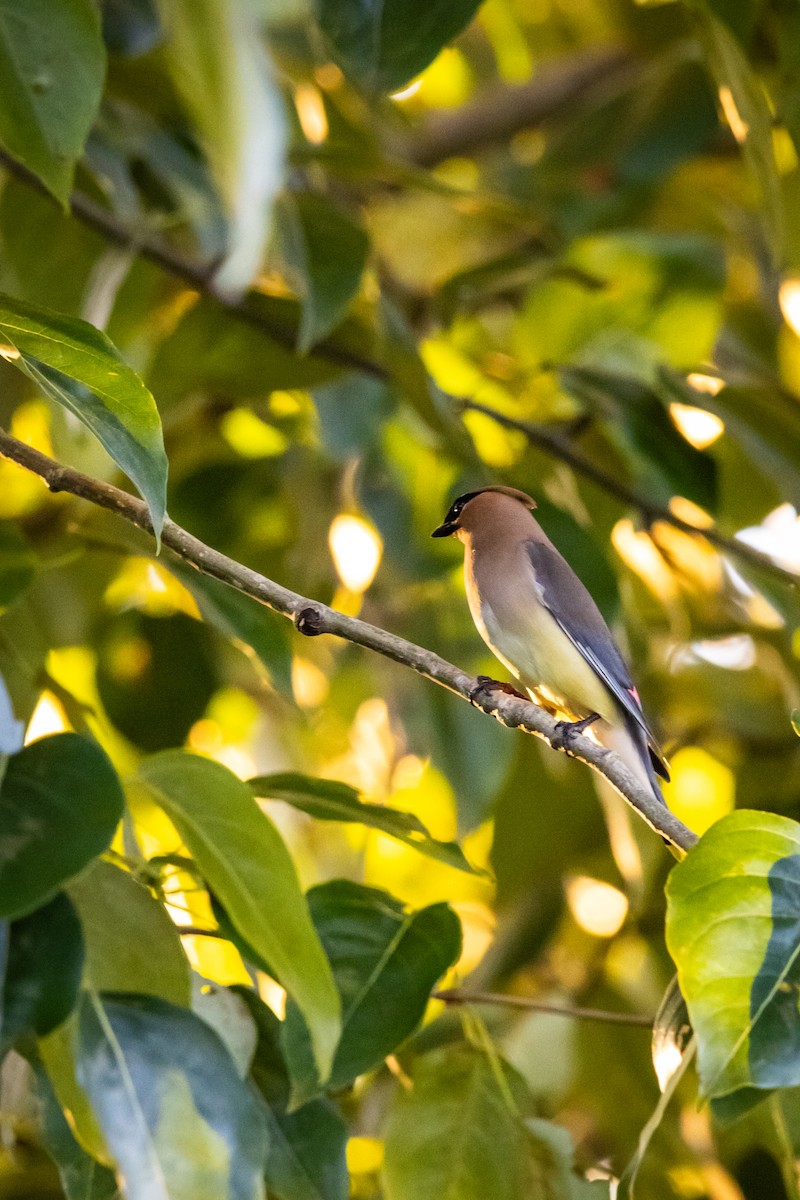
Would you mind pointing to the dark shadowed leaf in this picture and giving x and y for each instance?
(17, 563)
(352, 411)
(246, 864)
(77, 366)
(174, 1112)
(386, 959)
(734, 933)
(242, 618)
(381, 44)
(60, 802)
(461, 1132)
(155, 675)
(325, 252)
(52, 65)
(752, 126)
(210, 348)
(82, 1177)
(306, 1158)
(330, 800)
(131, 943)
(43, 964)
(638, 425)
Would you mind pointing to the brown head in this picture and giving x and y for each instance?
(486, 505)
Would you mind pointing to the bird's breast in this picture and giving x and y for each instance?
(527, 639)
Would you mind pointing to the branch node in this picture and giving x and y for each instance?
(309, 621)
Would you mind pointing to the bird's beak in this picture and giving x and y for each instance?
(446, 530)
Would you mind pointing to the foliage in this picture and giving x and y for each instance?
(338, 262)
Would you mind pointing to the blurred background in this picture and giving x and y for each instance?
(564, 256)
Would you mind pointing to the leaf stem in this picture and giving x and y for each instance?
(455, 996)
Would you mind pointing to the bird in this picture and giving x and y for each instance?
(541, 622)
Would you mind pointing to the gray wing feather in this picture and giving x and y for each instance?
(572, 607)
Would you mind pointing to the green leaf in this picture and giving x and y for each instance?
(306, 1159)
(217, 62)
(242, 619)
(213, 349)
(17, 563)
(43, 963)
(386, 960)
(330, 800)
(77, 366)
(82, 1177)
(381, 44)
(461, 1132)
(638, 424)
(155, 675)
(58, 1052)
(734, 933)
(246, 864)
(52, 64)
(60, 803)
(131, 943)
(229, 1016)
(325, 252)
(176, 1116)
(748, 113)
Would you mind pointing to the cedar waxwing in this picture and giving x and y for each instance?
(537, 617)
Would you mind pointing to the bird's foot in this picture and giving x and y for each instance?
(565, 731)
(486, 685)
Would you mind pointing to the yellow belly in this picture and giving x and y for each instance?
(537, 651)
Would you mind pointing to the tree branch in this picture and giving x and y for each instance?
(557, 446)
(503, 111)
(197, 276)
(312, 618)
(456, 996)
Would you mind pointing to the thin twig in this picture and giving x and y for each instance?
(556, 445)
(503, 111)
(454, 996)
(197, 931)
(312, 618)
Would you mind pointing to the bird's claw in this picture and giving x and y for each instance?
(566, 731)
(486, 685)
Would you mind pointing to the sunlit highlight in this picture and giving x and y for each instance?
(364, 1155)
(778, 535)
(597, 907)
(734, 653)
(309, 683)
(739, 127)
(273, 995)
(47, 718)
(408, 91)
(789, 300)
(666, 1061)
(311, 113)
(701, 790)
(9, 353)
(691, 513)
(636, 549)
(700, 428)
(356, 549)
(251, 437)
(708, 385)
(146, 585)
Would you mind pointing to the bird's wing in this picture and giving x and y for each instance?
(572, 607)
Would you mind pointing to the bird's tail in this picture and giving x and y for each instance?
(630, 743)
